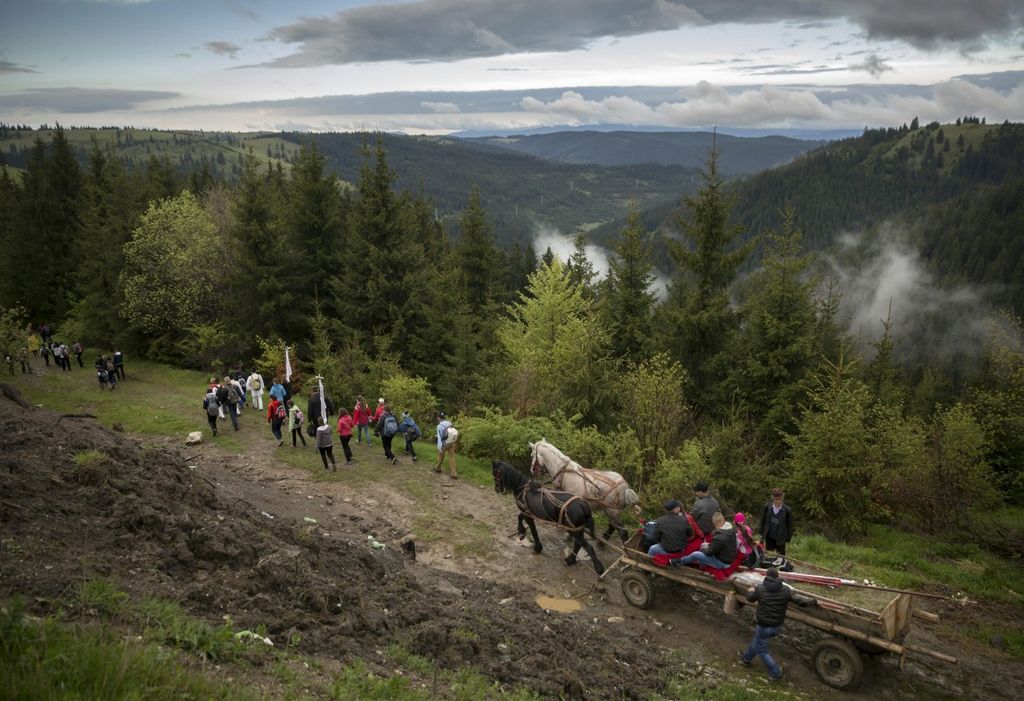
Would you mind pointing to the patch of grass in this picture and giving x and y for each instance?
(1013, 638)
(904, 560)
(357, 683)
(414, 663)
(102, 596)
(166, 623)
(90, 467)
(46, 660)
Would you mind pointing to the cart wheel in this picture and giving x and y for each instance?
(838, 663)
(638, 589)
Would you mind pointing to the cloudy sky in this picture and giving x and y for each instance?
(436, 66)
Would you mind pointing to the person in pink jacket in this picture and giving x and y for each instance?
(345, 426)
(361, 417)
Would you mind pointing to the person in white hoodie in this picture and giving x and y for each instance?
(256, 386)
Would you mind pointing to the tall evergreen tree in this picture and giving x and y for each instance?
(579, 267)
(697, 316)
(476, 255)
(629, 301)
(315, 221)
(774, 349)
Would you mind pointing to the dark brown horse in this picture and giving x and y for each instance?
(567, 511)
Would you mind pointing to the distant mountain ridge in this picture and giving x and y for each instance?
(738, 155)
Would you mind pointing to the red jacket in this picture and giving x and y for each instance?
(361, 415)
(345, 425)
(272, 408)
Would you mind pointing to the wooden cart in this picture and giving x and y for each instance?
(852, 631)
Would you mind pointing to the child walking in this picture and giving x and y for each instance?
(295, 418)
(325, 443)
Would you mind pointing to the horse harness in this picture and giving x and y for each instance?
(589, 476)
(549, 496)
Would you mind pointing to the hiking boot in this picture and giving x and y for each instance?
(778, 678)
(414, 458)
(743, 660)
(394, 461)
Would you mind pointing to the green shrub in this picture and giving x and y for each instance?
(675, 476)
(412, 394)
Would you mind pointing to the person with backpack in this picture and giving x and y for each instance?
(231, 398)
(325, 443)
(277, 391)
(276, 415)
(254, 383)
(101, 372)
(295, 419)
(211, 405)
(109, 365)
(411, 432)
(78, 353)
(345, 426)
(45, 352)
(387, 427)
(361, 417)
(447, 437)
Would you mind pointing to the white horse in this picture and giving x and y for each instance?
(604, 490)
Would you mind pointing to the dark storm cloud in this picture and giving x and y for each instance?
(9, 67)
(79, 100)
(223, 48)
(451, 30)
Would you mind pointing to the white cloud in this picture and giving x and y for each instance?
(440, 107)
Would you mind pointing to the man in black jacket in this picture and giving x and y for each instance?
(313, 409)
(772, 597)
(721, 551)
(776, 526)
(671, 531)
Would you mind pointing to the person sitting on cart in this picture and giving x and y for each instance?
(704, 509)
(671, 530)
(720, 552)
(772, 596)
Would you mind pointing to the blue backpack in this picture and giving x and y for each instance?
(390, 426)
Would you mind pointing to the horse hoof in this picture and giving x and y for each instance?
(599, 569)
(537, 548)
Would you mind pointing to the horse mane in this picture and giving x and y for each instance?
(512, 478)
(559, 455)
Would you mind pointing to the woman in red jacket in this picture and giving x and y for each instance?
(345, 426)
(361, 415)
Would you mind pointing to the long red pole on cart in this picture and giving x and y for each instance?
(835, 582)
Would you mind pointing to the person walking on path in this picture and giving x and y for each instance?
(276, 415)
(345, 426)
(325, 443)
(45, 352)
(447, 437)
(387, 428)
(772, 596)
(233, 398)
(254, 383)
(277, 390)
(313, 405)
(361, 417)
(776, 525)
(78, 353)
(411, 432)
(295, 419)
(119, 363)
(210, 404)
(23, 358)
(111, 373)
(10, 363)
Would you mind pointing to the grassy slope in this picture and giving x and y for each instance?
(159, 400)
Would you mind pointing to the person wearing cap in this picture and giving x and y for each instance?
(745, 544)
(776, 525)
(378, 413)
(704, 508)
(445, 447)
(772, 597)
(671, 530)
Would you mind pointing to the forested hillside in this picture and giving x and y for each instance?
(745, 373)
(739, 156)
(521, 193)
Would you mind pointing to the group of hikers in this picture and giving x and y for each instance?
(39, 343)
(226, 398)
(703, 537)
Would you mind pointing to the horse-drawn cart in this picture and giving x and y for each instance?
(858, 623)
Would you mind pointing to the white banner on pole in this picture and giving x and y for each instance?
(323, 399)
(287, 366)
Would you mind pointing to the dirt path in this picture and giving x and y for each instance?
(464, 529)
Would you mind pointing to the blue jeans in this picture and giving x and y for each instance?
(759, 648)
(360, 430)
(701, 558)
(656, 549)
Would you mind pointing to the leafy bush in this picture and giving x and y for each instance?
(676, 475)
(412, 394)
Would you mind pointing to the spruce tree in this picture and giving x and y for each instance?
(629, 301)
(579, 268)
(698, 317)
(476, 255)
